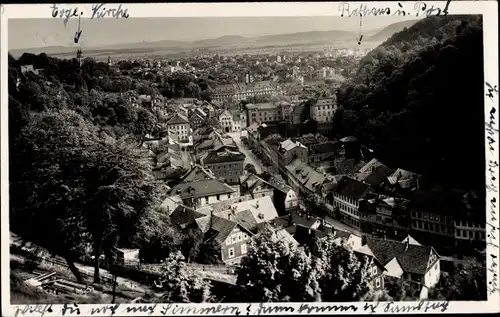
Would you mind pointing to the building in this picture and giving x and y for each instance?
(226, 162)
(232, 237)
(285, 198)
(323, 151)
(242, 91)
(386, 217)
(255, 186)
(226, 121)
(290, 150)
(322, 112)
(179, 126)
(201, 193)
(262, 209)
(377, 270)
(286, 109)
(262, 112)
(404, 260)
(305, 180)
(349, 195)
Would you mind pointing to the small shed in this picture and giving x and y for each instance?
(127, 256)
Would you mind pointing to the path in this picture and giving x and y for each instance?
(250, 158)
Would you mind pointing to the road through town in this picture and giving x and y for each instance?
(250, 157)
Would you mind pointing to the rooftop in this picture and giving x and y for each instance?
(178, 119)
(261, 106)
(352, 188)
(412, 258)
(201, 188)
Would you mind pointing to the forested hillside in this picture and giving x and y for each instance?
(417, 101)
(80, 183)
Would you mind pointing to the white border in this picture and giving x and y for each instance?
(489, 11)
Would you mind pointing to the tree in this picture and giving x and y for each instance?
(343, 276)
(464, 285)
(250, 168)
(179, 286)
(275, 271)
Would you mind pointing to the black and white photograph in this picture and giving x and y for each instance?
(251, 159)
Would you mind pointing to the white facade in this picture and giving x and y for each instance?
(323, 110)
(291, 199)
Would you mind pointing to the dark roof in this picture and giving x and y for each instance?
(412, 258)
(223, 227)
(246, 219)
(279, 184)
(352, 188)
(303, 234)
(224, 156)
(201, 188)
(183, 215)
(341, 234)
(177, 119)
(197, 173)
(378, 175)
(325, 147)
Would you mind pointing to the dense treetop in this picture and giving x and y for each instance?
(416, 100)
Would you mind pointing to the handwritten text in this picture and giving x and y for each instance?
(66, 13)
(100, 11)
(419, 9)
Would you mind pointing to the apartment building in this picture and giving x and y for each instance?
(262, 112)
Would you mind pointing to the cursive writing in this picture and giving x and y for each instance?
(100, 11)
(363, 10)
(105, 309)
(68, 310)
(40, 309)
(393, 307)
(174, 309)
(419, 9)
(319, 308)
(66, 13)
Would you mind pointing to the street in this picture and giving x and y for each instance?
(250, 157)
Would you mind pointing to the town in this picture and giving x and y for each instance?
(246, 177)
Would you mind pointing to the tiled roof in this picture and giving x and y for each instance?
(223, 227)
(374, 163)
(223, 156)
(178, 119)
(375, 176)
(322, 148)
(197, 173)
(288, 145)
(401, 175)
(412, 258)
(349, 139)
(352, 188)
(262, 209)
(246, 219)
(183, 215)
(201, 188)
(305, 174)
(279, 184)
(262, 106)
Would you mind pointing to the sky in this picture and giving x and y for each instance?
(31, 33)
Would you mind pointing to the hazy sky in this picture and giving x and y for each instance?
(30, 33)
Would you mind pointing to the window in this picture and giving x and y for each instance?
(206, 200)
(245, 236)
(243, 248)
(377, 282)
(218, 197)
(228, 241)
(374, 270)
(231, 252)
(239, 236)
(471, 234)
(234, 238)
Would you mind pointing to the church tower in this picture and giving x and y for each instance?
(79, 57)
(109, 60)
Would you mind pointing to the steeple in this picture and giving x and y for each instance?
(109, 60)
(79, 56)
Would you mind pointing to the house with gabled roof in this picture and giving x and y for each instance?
(405, 260)
(255, 186)
(204, 192)
(284, 197)
(179, 126)
(349, 195)
(261, 208)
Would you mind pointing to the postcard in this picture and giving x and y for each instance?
(249, 158)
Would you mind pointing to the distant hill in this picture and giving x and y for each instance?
(389, 30)
(223, 41)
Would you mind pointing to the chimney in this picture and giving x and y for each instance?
(407, 244)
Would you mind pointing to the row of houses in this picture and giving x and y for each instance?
(242, 91)
(371, 197)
